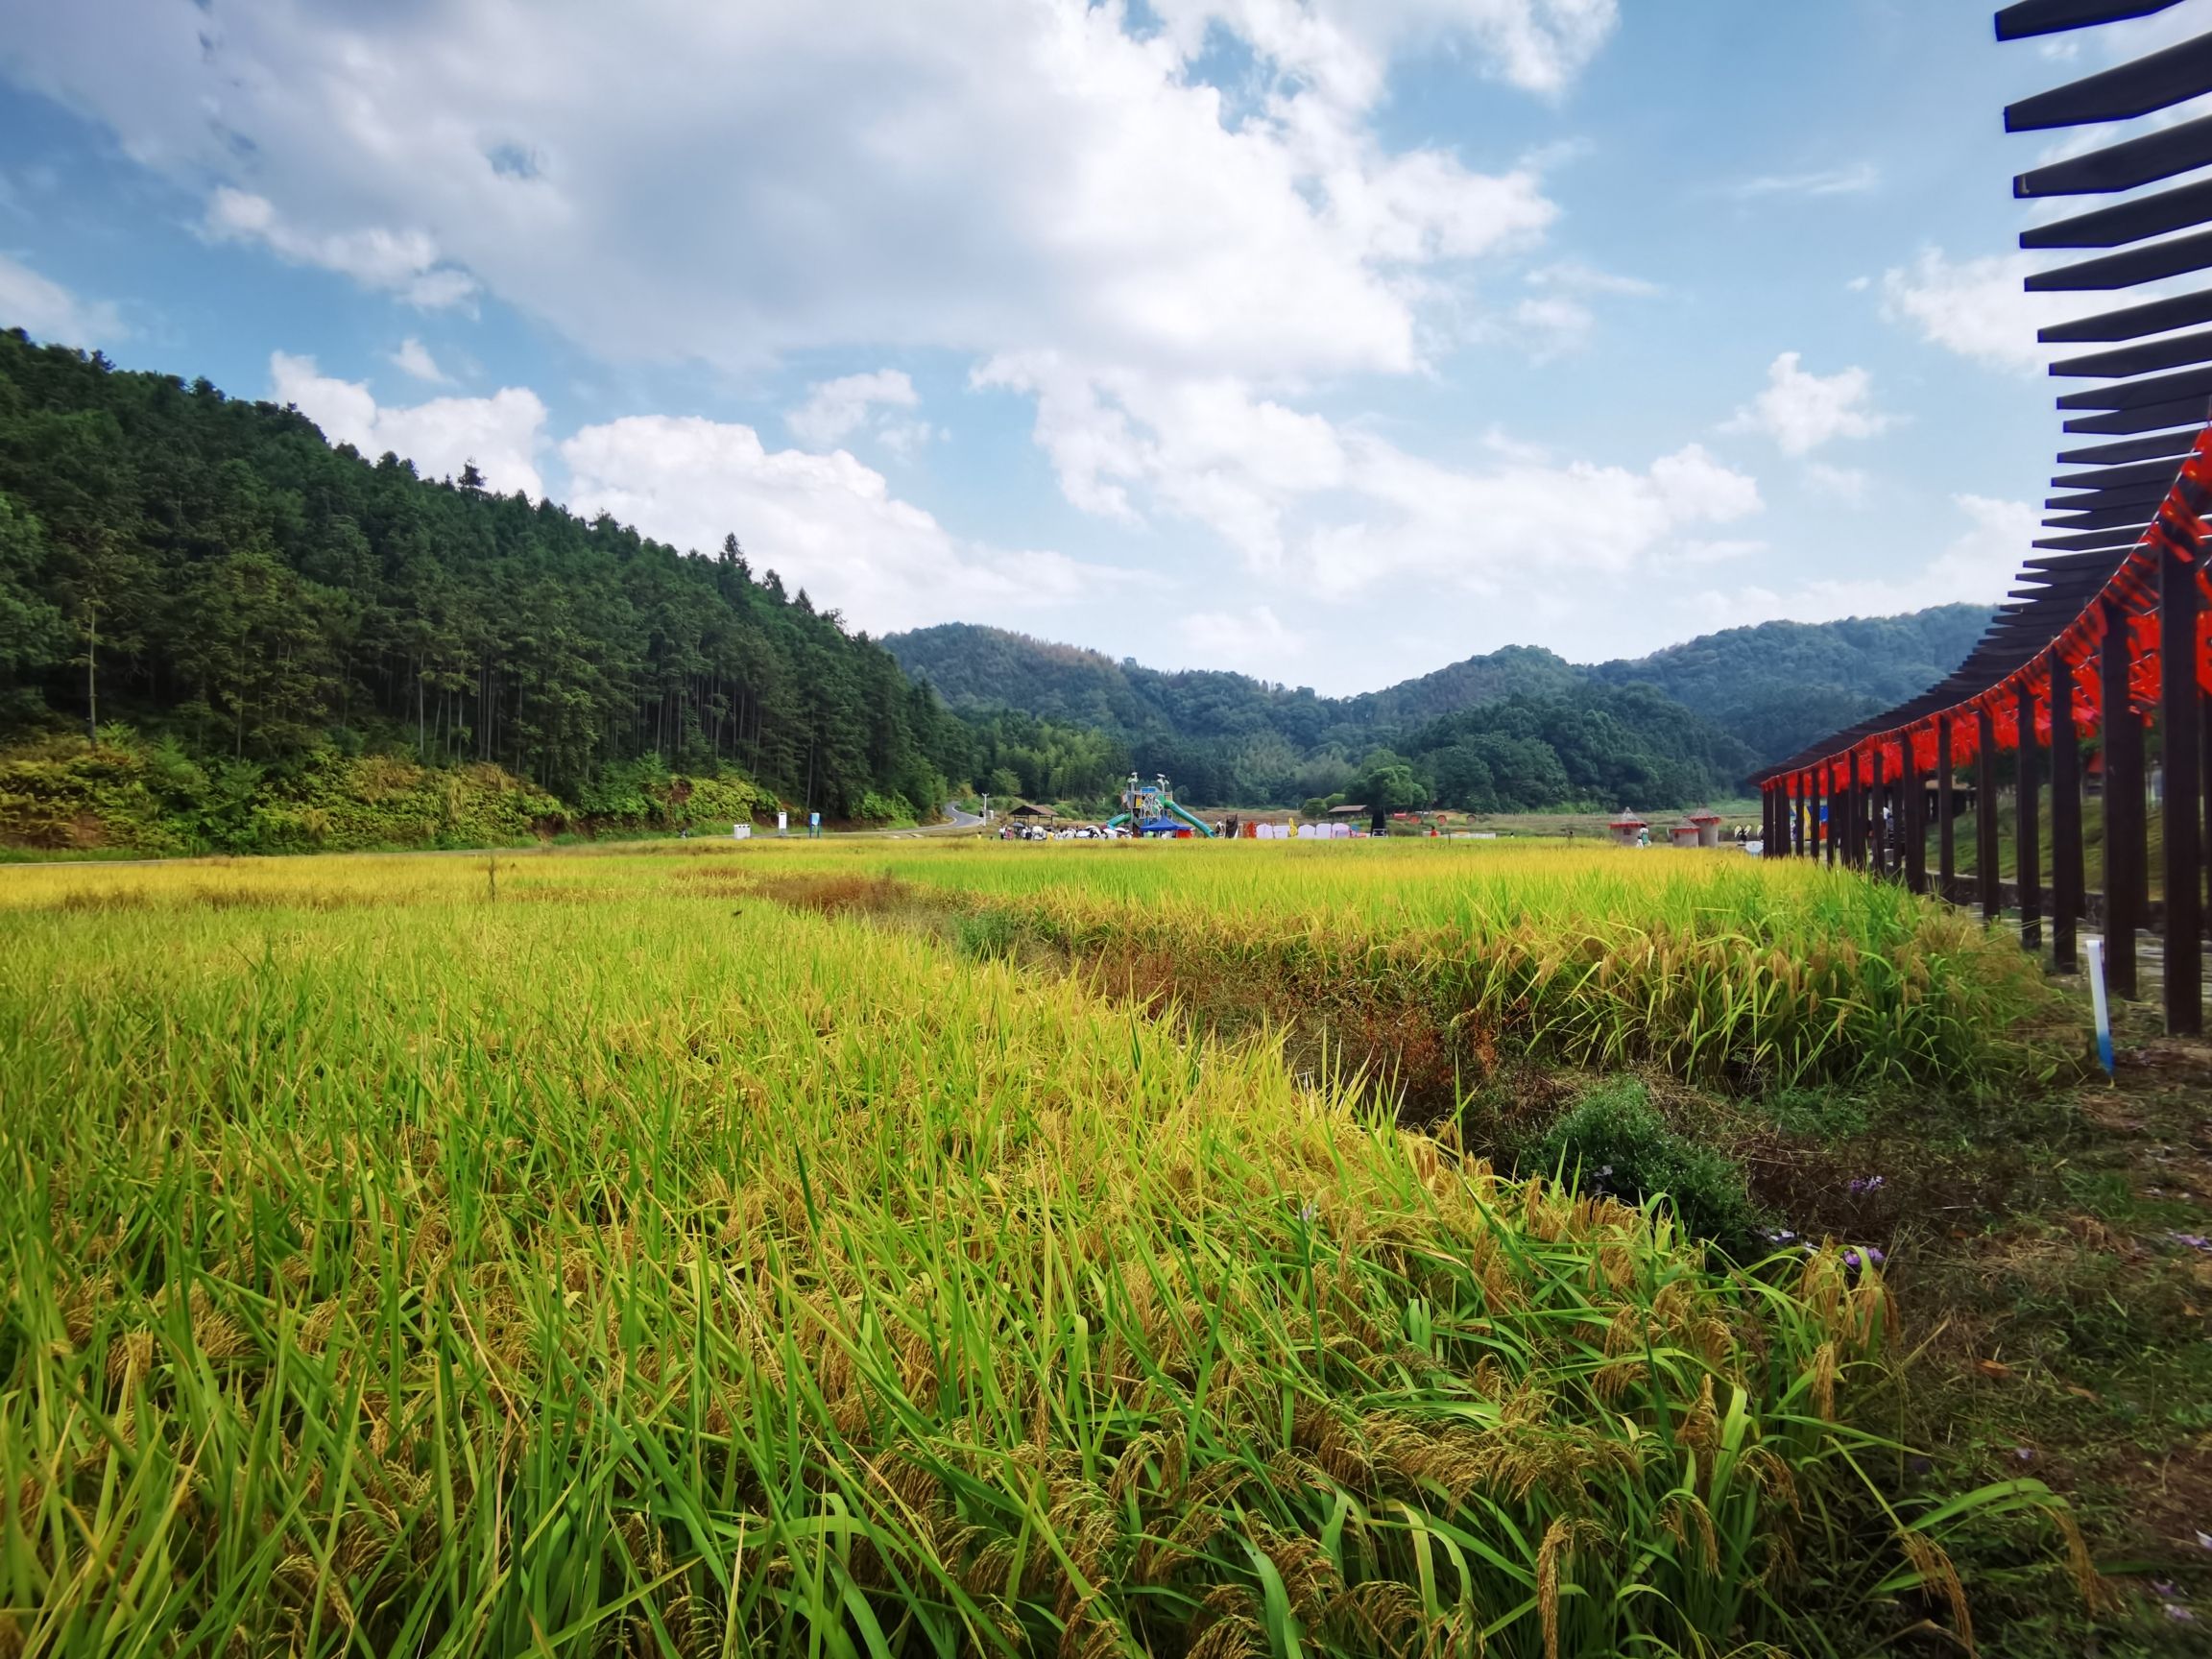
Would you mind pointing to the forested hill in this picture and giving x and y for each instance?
(1778, 685)
(1769, 687)
(213, 574)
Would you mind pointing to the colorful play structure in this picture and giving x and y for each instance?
(1150, 809)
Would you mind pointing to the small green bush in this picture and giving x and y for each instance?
(1614, 1140)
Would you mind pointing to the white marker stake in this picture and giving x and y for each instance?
(2104, 1009)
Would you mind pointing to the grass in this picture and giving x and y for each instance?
(575, 1253)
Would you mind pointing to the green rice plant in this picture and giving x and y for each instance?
(395, 1263)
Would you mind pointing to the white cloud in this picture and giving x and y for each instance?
(835, 409)
(1975, 307)
(983, 175)
(1980, 308)
(1255, 642)
(405, 262)
(1053, 189)
(412, 357)
(1856, 179)
(1801, 411)
(1977, 567)
(502, 433)
(1338, 508)
(824, 522)
(47, 311)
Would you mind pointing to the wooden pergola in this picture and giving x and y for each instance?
(2106, 632)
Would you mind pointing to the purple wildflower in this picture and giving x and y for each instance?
(2195, 1240)
(1866, 1183)
(2179, 1614)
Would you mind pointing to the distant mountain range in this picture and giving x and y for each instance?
(1725, 702)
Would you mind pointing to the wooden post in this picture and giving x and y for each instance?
(1946, 829)
(2122, 808)
(2066, 880)
(1915, 816)
(2028, 833)
(1880, 802)
(1985, 873)
(1767, 836)
(2204, 775)
(1854, 815)
(2177, 609)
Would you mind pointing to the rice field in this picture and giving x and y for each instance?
(1714, 966)
(602, 1253)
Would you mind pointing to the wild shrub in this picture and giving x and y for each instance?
(1615, 1142)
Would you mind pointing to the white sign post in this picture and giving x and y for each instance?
(2098, 1005)
(783, 822)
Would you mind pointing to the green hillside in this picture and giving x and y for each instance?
(1778, 685)
(1665, 730)
(217, 631)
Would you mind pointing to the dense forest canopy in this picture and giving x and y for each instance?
(211, 570)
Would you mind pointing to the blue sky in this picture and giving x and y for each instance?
(1328, 339)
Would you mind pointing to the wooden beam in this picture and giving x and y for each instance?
(1876, 803)
(2177, 209)
(2029, 17)
(2028, 831)
(1915, 789)
(2066, 877)
(2122, 807)
(2120, 93)
(2177, 609)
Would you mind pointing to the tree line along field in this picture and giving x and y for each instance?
(914, 1248)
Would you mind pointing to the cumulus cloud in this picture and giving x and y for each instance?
(1338, 508)
(405, 262)
(412, 357)
(1976, 567)
(45, 310)
(1976, 307)
(978, 175)
(1054, 189)
(835, 409)
(825, 522)
(502, 434)
(1801, 411)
